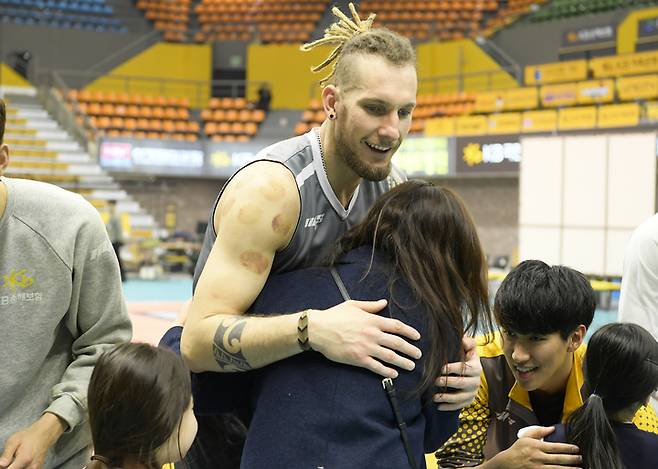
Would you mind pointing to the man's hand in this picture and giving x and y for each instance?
(349, 333)
(27, 448)
(462, 377)
(530, 452)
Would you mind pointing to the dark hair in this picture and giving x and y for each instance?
(536, 298)
(621, 366)
(3, 120)
(430, 237)
(137, 397)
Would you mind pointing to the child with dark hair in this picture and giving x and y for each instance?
(621, 366)
(140, 408)
(532, 374)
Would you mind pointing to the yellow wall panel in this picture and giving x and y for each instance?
(596, 91)
(559, 95)
(619, 115)
(289, 72)
(505, 123)
(577, 118)
(472, 125)
(629, 64)
(489, 101)
(651, 111)
(440, 126)
(521, 98)
(452, 58)
(571, 70)
(173, 70)
(539, 121)
(8, 77)
(641, 87)
(627, 29)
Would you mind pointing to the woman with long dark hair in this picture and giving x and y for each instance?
(621, 369)
(140, 408)
(419, 249)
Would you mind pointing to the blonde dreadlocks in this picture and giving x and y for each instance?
(358, 37)
(339, 33)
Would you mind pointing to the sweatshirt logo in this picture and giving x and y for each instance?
(14, 285)
(17, 279)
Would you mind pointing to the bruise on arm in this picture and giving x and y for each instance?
(255, 217)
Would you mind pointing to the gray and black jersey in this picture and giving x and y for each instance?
(323, 219)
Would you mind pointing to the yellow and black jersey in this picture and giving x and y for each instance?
(502, 407)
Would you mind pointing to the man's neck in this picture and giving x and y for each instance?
(3, 198)
(342, 179)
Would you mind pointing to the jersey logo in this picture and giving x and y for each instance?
(505, 416)
(313, 222)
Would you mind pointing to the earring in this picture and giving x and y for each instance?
(332, 116)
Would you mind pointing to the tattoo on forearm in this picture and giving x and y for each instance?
(227, 348)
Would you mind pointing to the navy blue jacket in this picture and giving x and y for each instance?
(310, 412)
(638, 449)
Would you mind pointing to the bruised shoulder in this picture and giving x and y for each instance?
(262, 195)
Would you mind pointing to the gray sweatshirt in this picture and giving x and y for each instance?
(61, 306)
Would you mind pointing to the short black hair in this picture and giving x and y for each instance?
(536, 298)
(3, 120)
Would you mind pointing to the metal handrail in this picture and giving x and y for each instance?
(125, 52)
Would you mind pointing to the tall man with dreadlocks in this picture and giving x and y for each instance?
(285, 210)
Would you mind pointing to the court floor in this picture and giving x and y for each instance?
(153, 305)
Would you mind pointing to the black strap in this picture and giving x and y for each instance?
(340, 284)
(402, 426)
(387, 383)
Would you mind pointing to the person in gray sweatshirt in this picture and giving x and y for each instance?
(61, 307)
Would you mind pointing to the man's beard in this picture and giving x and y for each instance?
(350, 158)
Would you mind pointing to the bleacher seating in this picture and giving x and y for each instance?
(443, 19)
(135, 116)
(231, 120)
(427, 106)
(293, 21)
(616, 90)
(172, 18)
(93, 15)
(559, 9)
(42, 151)
(264, 20)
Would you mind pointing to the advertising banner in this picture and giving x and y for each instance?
(495, 154)
(577, 118)
(559, 95)
(489, 101)
(628, 64)
(440, 126)
(152, 157)
(539, 121)
(520, 99)
(168, 158)
(619, 115)
(647, 27)
(590, 37)
(472, 125)
(571, 70)
(505, 123)
(642, 87)
(596, 91)
(651, 111)
(423, 156)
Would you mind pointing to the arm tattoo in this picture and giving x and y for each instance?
(226, 345)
